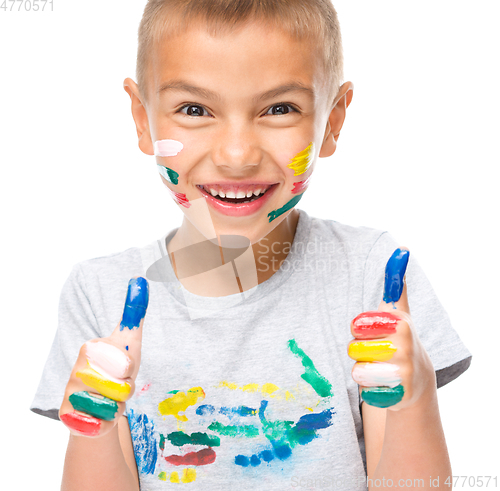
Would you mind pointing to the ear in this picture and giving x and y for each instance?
(140, 116)
(336, 119)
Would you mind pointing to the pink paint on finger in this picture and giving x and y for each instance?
(376, 374)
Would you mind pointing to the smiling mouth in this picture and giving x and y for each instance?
(236, 195)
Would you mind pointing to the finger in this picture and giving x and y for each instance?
(374, 324)
(376, 374)
(128, 334)
(382, 396)
(94, 405)
(378, 350)
(395, 295)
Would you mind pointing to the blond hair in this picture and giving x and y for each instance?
(314, 20)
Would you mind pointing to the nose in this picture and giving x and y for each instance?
(236, 148)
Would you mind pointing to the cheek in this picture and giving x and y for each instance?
(164, 149)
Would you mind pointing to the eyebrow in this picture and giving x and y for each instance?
(181, 85)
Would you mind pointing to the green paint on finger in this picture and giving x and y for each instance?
(319, 383)
(383, 396)
(99, 407)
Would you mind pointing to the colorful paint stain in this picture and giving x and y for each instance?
(230, 412)
(248, 431)
(168, 174)
(118, 391)
(180, 401)
(394, 275)
(319, 383)
(266, 388)
(144, 441)
(375, 323)
(303, 160)
(179, 198)
(376, 374)
(187, 475)
(167, 148)
(136, 303)
(179, 438)
(202, 457)
(383, 396)
(100, 407)
(301, 186)
(371, 350)
(287, 206)
(80, 423)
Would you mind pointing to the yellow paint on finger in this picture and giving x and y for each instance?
(180, 401)
(371, 350)
(303, 160)
(114, 390)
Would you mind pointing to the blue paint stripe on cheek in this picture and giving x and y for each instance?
(136, 303)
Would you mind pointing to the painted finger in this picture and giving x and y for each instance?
(379, 350)
(395, 296)
(374, 324)
(376, 374)
(382, 396)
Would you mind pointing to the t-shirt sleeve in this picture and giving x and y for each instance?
(76, 325)
(447, 352)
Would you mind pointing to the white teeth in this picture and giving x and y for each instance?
(230, 194)
(249, 194)
(221, 194)
(257, 192)
(213, 192)
(240, 194)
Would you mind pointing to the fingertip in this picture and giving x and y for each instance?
(136, 303)
(395, 271)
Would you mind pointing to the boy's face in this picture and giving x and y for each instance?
(240, 120)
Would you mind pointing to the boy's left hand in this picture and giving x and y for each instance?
(393, 368)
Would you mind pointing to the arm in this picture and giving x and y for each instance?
(406, 444)
(101, 464)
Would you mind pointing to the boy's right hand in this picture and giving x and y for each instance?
(103, 377)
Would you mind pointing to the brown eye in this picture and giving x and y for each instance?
(193, 110)
(280, 109)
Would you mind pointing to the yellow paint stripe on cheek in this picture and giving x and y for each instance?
(371, 350)
(107, 388)
(303, 160)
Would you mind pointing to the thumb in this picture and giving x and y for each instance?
(128, 333)
(395, 295)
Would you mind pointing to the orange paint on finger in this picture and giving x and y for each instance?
(371, 350)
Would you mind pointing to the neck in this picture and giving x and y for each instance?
(210, 268)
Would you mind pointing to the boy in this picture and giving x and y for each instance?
(245, 378)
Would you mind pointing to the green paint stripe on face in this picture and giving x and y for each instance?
(248, 431)
(383, 396)
(169, 174)
(319, 383)
(287, 206)
(104, 408)
(179, 438)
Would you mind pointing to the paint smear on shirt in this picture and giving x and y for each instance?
(180, 401)
(319, 383)
(144, 441)
(203, 457)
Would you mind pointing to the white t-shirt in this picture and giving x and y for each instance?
(250, 391)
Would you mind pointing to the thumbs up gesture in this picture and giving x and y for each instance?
(104, 373)
(393, 368)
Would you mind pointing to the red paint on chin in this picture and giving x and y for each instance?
(203, 457)
(85, 425)
(375, 323)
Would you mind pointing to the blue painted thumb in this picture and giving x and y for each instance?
(136, 303)
(394, 286)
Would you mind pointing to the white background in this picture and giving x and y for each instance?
(418, 156)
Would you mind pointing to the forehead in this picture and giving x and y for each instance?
(243, 62)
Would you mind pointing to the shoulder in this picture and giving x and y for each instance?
(343, 238)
